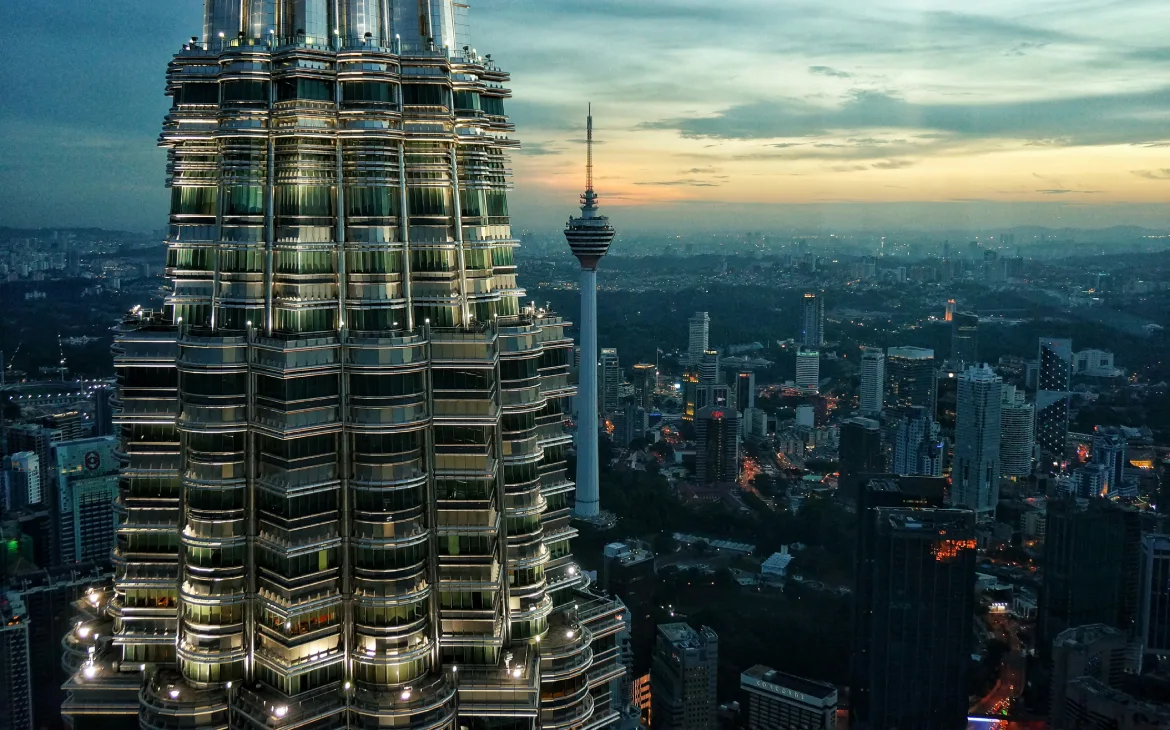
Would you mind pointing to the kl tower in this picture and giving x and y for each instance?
(589, 237)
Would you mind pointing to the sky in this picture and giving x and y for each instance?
(710, 114)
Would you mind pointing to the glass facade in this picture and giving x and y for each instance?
(344, 499)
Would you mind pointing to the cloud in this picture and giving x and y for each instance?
(829, 71)
(701, 171)
(892, 165)
(1065, 191)
(1105, 119)
(683, 182)
(538, 149)
(1163, 174)
(1022, 49)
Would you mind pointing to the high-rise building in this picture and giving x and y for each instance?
(1154, 613)
(1110, 455)
(915, 595)
(772, 699)
(1092, 568)
(645, 383)
(910, 377)
(1091, 703)
(975, 477)
(631, 422)
(873, 381)
(683, 674)
(860, 454)
(611, 381)
(965, 339)
(949, 316)
(916, 449)
(16, 688)
(103, 413)
(1017, 433)
(345, 491)
(745, 390)
(709, 368)
(1097, 651)
(589, 238)
(23, 484)
(690, 395)
(87, 487)
(698, 341)
(1052, 397)
(812, 317)
(808, 369)
(717, 445)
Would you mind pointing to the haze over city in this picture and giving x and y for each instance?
(745, 113)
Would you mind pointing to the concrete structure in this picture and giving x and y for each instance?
(910, 377)
(772, 700)
(1052, 397)
(1017, 440)
(975, 477)
(812, 317)
(873, 381)
(344, 500)
(808, 369)
(699, 335)
(683, 674)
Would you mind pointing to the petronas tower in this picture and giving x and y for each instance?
(344, 499)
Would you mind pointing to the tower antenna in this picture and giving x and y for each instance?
(589, 146)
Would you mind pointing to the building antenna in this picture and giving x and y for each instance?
(589, 147)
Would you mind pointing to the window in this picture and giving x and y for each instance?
(377, 91)
(243, 200)
(429, 201)
(374, 262)
(306, 320)
(467, 100)
(296, 389)
(255, 91)
(194, 92)
(424, 94)
(309, 89)
(431, 260)
(497, 203)
(386, 385)
(372, 202)
(388, 500)
(493, 105)
(193, 201)
(304, 201)
(469, 379)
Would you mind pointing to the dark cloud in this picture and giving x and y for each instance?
(1163, 174)
(1124, 118)
(829, 71)
(892, 165)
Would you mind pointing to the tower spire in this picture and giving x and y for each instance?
(589, 147)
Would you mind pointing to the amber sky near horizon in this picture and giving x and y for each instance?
(744, 113)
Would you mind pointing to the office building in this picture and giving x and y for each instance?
(860, 454)
(16, 688)
(916, 448)
(812, 316)
(965, 339)
(709, 368)
(690, 395)
(66, 425)
(915, 598)
(1052, 397)
(1017, 433)
(87, 486)
(1110, 455)
(1092, 704)
(808, 369)
(23, 485)
(628, 572)
(949, 315)
(910, 377)
(39, 440)
(975, 477)
(1094, 650)
(1092, 570)
(873, 381)
(683, 674)
(346, 480)
(698, 341)
(630, 423)
(772, 699)
(611, 380)
(103, 411)
(1154, 612)
(589, 239)
(717, 445)
(745, 390)
(645, 383)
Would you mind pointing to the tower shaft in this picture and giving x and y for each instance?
(588, 474)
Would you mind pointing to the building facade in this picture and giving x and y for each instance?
(965, 339)
(717, 445)
(1054, 381)
(1017, 433)
(22, 481)
(87, 487)
(344, 483)
(683, 675)
(645, 383)
(611, 381)
(916, 448)
(1154, 616)
(812, 317)
(745, 390)
(1097, 651)
(873, 381)
(975, 478)
(910, 377)
(808, 369)
(772, 699)
(699, 336)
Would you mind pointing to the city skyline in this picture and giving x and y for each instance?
(893, 115)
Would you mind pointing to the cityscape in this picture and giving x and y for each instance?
(391, 417)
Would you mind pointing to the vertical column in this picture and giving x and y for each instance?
(588, 498)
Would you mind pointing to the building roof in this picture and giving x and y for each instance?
(811, 687)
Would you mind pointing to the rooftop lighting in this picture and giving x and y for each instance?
(281, 711)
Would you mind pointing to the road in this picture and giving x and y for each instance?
(1010, 683)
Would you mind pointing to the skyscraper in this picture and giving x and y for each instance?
(645, 383)
(1154, 613)
(917, 449)
(683, 674)
(1017, 433)
(589, 237)
(22, 482)
(965, 339)
(1110, 455)
(709, 368)
(345, 494)
(745, 390)
(915, 595)
(910, 377)
(1094, 650)
(15, 676)
(975, 478)
(87, 486)
(859, 454)
(611, 380)
(812, 316)
(717, 445)
(699, 329)
(103, 416)
(773, 699)
(808, 369)
(873, 381)
(1052, 396)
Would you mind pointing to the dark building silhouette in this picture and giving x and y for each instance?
(910, 377)
(965, 338)
(860, 453)
(717, 449)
